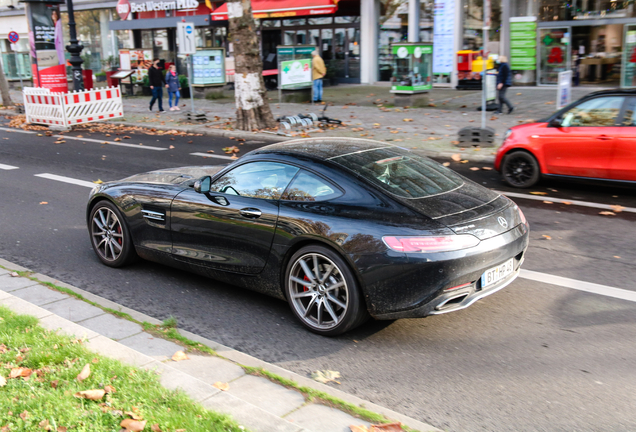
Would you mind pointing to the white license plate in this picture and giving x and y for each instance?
(498, 273)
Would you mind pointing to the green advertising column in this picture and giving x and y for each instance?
(294, 73)
(412, 75)
(523, 45)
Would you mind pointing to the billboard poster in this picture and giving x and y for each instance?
(208, 67)
(443, 37)
(296, 74)
(47, 46)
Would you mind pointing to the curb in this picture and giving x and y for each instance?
(236, 357)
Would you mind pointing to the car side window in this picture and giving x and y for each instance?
(309, 187)
(630, 113)
(266, 180)
(601, 111)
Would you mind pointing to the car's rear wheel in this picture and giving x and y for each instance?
(322, 291)
(110, 236)
(520, 169)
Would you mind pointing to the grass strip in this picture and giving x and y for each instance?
(42, 396)
(167, 330)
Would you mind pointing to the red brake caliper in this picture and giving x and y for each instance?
(307, 280)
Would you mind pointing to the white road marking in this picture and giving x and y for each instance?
(16, 130)
(8, 167)
(561, 200)
(212, 156)
(593, 288)
(67, 180)
(114, 143)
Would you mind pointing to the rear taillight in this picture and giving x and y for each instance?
(431, 244)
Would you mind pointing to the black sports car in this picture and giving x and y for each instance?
(342, 229)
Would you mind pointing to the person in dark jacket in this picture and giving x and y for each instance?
(504, 80)
(155, 77)
(172, 84)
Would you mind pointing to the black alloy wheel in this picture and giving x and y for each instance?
(520, 169)
(322, 291)
(110, 236)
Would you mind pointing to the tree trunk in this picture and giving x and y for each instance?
(252, 109)
(4, 89)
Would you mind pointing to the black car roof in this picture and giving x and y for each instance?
(617, 91)
(322, 148)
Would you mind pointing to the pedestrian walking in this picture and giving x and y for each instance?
(155, 77)
(172, 84)
(504, 80)
(318, 71)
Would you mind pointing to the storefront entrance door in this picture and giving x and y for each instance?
(554, 53)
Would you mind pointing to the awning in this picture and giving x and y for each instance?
(282, 8)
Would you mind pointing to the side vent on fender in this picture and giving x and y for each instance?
(154, 216)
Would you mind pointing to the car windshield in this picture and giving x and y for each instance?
(401, 172)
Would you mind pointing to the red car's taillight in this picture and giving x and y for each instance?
(431, 244)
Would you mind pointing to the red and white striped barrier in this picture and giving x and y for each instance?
(67, 109)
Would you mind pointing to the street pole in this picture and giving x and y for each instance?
(484, 58)
(17, 65)
(75, 49)
(190, 59)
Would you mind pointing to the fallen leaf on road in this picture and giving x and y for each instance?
(85, 373)
(548, 202)
(549, 103)
(566, 203)
(607, 213)
(617, 208)
(20, 372)
(221, 385)
(133, 425)
(518, 94)
(117, 139)
(171, 147)
(43, 202)
(325, 376)
(96, 394)
(407, 120)
(474, 169)
(446, 164)
(456, 157)
(617, 257)
(126, 137)
(538, 193)
(179, 355)
(98, 181)
(432, 104)
(547, 237)
(463, 161)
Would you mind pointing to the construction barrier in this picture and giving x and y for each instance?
(67, 109)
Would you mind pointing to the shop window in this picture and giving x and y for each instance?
(208, 37)
(16, 66)
(289, 37)
(327, 44)
(294, 22)
(271, 23)
(313, 37)
(199, 38)
(319, 21)
(93, 30)
(146, 39)
(124, 39)
(347, 19)
(301, 37)
(161, 48)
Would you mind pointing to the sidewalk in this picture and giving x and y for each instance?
(368, 112)
(255, 402)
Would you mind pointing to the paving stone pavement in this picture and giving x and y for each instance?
(254, 402)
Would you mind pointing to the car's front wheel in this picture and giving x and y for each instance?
(322, 291)
(109, 235)
(520, 169)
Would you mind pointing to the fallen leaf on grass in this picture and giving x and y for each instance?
(44, 424)
(133, 425)
(3, 381)
(538, 193)
(85, 373)
(155, 428)
(607, 213)
(361, 428)
(54, 384)
(456, 157)
(179, 355)
(96, 394)
(20, 372)
(62, 429)
(547, 237)
(110, 389)
(221, 385)
(24, 415)
(325, 376)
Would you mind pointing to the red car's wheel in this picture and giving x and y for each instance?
(520, 169)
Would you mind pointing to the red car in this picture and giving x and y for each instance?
(592, 138)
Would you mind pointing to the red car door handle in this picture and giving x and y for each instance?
(604, 137)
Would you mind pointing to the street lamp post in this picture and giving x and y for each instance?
(75, 49)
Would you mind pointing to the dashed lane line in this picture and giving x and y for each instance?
(212, 156)
(563, 201)
(589, 287)
(113, 143)
(8, 167)
(66, 180)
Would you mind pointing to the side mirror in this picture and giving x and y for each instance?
(203, 185)
(555, 122)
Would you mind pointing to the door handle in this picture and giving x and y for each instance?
(604, 138)
(250, 213)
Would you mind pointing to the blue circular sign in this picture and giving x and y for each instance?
(14, 37)
(188, 29)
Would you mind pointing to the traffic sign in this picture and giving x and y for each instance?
(14, 37)
(185, 38)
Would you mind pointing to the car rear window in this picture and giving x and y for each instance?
(401, 172)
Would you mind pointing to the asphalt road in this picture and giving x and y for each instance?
(535, 356)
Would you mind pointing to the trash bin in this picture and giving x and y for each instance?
(88, 79)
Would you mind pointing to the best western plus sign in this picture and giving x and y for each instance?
(124, 7)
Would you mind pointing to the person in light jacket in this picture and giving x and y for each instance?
(318, 71)
(172, 84)
(504, 80)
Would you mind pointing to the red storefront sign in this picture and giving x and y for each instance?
(282, 8)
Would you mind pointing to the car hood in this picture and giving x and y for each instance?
(470, 209)
(174, 175)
